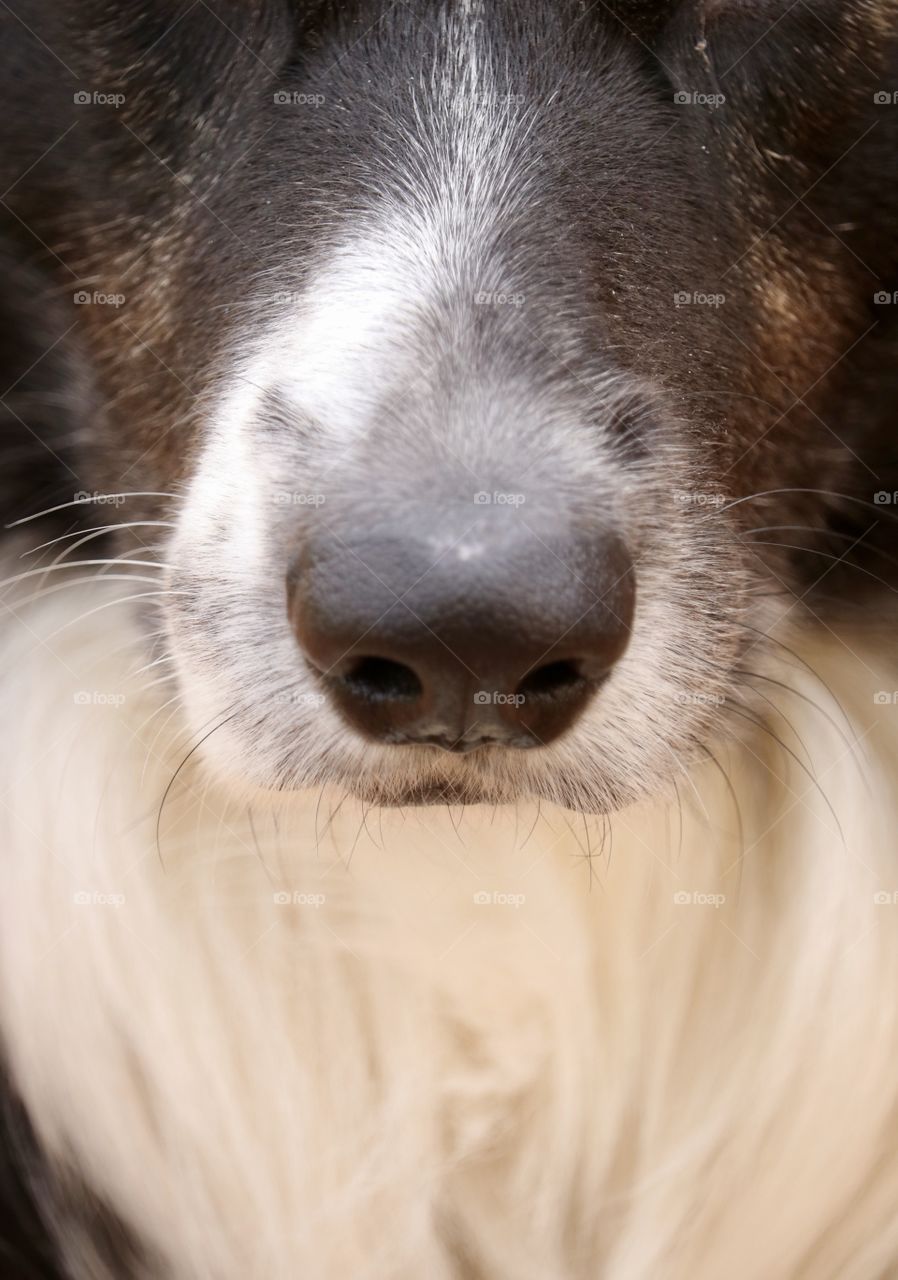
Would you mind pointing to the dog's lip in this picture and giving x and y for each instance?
(428, 794)
(465, 745)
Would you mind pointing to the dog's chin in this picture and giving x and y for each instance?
(468, 788)
(412, 790)
(430, 793)
(394, 777)
(427, 794)
(417, 780)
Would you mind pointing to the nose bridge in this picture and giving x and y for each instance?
(458, 588)
(490, 456)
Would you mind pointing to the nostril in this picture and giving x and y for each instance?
(380, 680)
(498, 649)
(553, 680)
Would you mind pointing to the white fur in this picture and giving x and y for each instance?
(340, 353)
(400, 397)
(580, 1076)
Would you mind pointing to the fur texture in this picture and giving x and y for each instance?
(309, 1041)
(411, 256)
(276, 266)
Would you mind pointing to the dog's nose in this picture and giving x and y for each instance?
(495, 638)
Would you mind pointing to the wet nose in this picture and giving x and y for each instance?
(485, 640)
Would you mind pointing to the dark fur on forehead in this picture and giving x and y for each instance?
(197, 188)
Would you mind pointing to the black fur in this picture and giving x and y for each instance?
(27, 1249)
(39, 1208)
(179, 197)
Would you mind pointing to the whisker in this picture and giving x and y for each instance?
(797, 658)
(686, 774)
(765, 728)
(176, 703)
(99, 529)
(733, 794)
(166, 657)
(535, 821)
(177, 773)
(85, 502)
(782, 715)
(78, 564)
(143, 595)
(781, 684)
(828, 555)
(45, 592)
(820, 493)
(252, 827)
(154, 684)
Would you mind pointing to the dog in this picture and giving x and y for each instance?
(472, 405)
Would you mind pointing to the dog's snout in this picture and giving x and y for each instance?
(494, 637)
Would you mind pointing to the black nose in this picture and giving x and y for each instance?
(500, 636)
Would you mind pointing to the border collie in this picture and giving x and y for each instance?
(447, 779)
